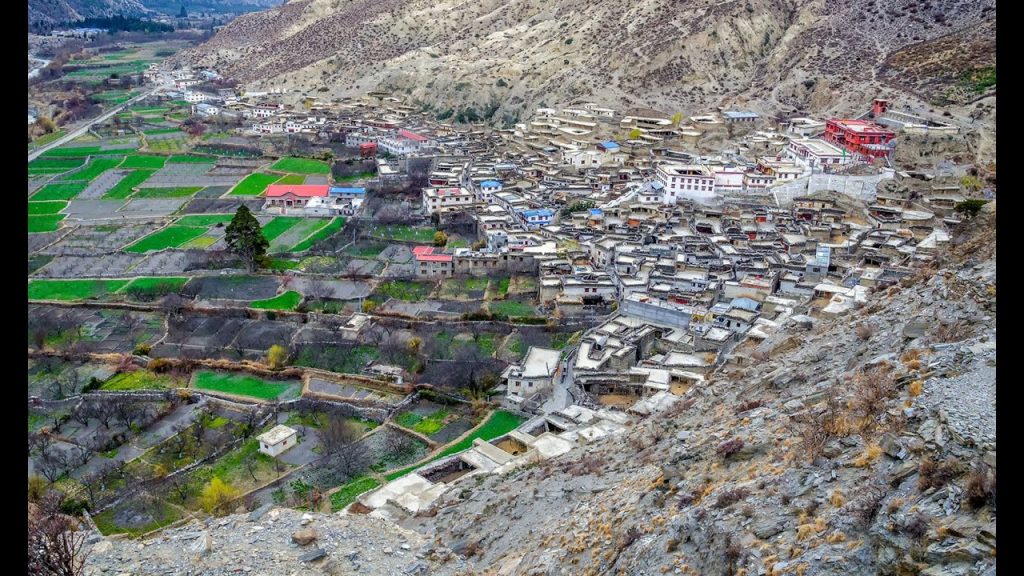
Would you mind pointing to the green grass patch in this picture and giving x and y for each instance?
(498, 424)
(254, 184)
(201, 243)
(62, 191)
(72, 289)
(301, 166)
(503, 286)
(403, 290)
(53, 165)
(169, 145)
(48, 207)
(510, 308)
(124, 187)
(150, 109)
(241, 384)
(175, 192)
(144, 161)
(191, 159)
(277, 226)
(357, 176)
(404, 233)
(138, 380)
(170, 237)
(155, 286)
(47, 138)
(294, 179)
(45, 223)
(165, 514)
(72, 152)
(322, 234)
(286, 301)
(365, 251)
(429, 425)
(349, 492)
(282, 264)
(204, 219)
(218, 422)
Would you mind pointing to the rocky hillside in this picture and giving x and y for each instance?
(54, 11)
(503, 58)
(855, 446)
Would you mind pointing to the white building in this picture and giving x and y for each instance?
(536, 372)
(728, 179)
(193, 96)
(487, 188)
(277, 440)
(441, 200)
(685, 181)
(815, 153)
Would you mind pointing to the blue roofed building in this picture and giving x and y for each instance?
(745, 304)
(536, 217)
(609, 146)
(343, 192)
(487, 188)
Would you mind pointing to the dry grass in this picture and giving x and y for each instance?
(866, 458)
(980, 488)
(932, 474)
(864, 331)
(915, 388)
(836, 498)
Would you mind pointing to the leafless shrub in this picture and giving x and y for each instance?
(589, 464)
(864, 331)
(873, 388)
(915, 526)
(729, 447)
(980, 488)
(730, 497)
(932, 474)
(748, 406)
(953, 331)
(864, 508)
(56, 546)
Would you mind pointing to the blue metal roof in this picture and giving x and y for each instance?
(610, 144)
(738, 114)
(596, 211)
(491, 183)
(342, 190)
(537, 212)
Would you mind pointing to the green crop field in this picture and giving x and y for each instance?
(94, 168)
(511, 308)
(138, 380)
(72, 152)
(293, 179)
(204, 219)
(176, 192)
(143, 161)
(169, 145)
(156, 131)
(403, 290)
(279, 225)
(72, 289)
(301, 166)
(123, 189)
(286, 301)
(154, 286)
(254, 184)
(45, 223)
(170, 237)
(326, 232)
(47, 138)
(201, 243)
(53, 165)
(242, 385)
(51, 207)
(63, 191)
(348, 493)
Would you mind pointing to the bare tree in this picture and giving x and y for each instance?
(339, 440)
(180, 486)
(317, 289)
(103, 411)
(51, 463)
(55, 546)
(129, 413)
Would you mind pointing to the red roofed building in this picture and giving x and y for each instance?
(288, 195)
(860, 137)
(432, 264)
(412, 136)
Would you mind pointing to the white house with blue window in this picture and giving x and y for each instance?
(535, 218)
(487, 188)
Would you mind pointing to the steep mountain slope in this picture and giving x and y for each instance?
(52, 11)
(506, 57)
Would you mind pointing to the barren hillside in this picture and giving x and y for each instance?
(504, 58)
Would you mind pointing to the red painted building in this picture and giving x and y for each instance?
(859, 137)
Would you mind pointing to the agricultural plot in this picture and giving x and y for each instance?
(365, 250)
(172, 192)
(92, 330)
(352, 390)
(245, 385)
(169, 237)
(286, 301)
(140, 380)
(511, 308)
(293, 179)
(167, 145)
(301, 166)
(126, 185)
(147, 161)
(175, 174)
(45, 223)
(63, 191)
(53, 165)
(149, 289)
(72, 152)
(246, 288)
(254, 184)
(403, 232)
(464, 288)
(402, 290)
(295, 234)
(320, 234)
(277, 226)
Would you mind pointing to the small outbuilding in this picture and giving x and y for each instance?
(277, 440)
